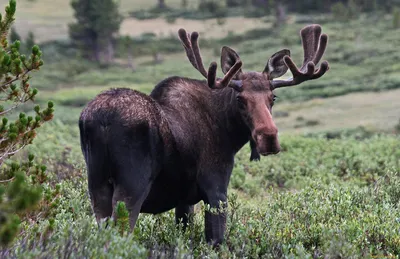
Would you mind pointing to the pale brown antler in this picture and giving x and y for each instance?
(314, 45)
(193, 53)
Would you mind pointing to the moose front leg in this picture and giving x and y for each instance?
(214, 188)
(215, 219)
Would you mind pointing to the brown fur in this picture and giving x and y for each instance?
(177, 146)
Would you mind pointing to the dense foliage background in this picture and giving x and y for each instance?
(334, 190)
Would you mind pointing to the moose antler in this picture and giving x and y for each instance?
(193, 53)
(314, 45)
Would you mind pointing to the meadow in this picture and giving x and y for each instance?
(333, 191)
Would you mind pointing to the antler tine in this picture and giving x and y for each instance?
(212, 75)
(192, 49)
(193, 53)
(196, 50)
(184, 37)
(224, 82)
(230, 74)
(323, 42)
(314, 46)
(310, 39)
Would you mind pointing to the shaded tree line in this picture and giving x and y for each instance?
(307, 6)
(97, 22)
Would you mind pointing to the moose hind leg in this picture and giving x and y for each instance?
(134, 174)
(183, 213)
(133, 199)
(101, 199)
(100, 188)
(136, 160)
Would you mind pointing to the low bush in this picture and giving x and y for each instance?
(319, 197)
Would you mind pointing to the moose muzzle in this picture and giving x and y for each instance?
(266, 139)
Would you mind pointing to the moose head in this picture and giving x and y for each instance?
(254, 90)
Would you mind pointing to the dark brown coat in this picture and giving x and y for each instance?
(176, 147)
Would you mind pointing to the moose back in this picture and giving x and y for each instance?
(176, 146)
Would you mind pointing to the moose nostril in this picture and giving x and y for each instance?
(270, 140)
(267, 141)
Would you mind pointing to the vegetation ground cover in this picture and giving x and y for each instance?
(330, 193)
(318, 197)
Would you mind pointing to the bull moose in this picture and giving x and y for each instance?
(176, 146)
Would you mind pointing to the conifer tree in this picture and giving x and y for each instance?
(97, 21)
(20, 182)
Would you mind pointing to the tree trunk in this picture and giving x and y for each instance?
(280, 14)
(104, 51)
(109, 52)
(161, 4)
(131, 62)
(96, 51)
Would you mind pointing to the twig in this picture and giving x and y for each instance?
(16, 78)
(18, 102)
(17, 150)
(9, 109)
(6, 181)
(9, 153)
(24, 133)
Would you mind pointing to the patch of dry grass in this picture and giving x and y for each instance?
(207, 28)
(374, 110)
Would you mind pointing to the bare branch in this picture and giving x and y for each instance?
(16, 78)
(7, 181)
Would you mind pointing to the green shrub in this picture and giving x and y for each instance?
(318, 196)
(344, 12)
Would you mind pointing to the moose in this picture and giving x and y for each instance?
(176, 146)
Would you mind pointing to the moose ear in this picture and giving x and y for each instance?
(228, 58)
(276, 67)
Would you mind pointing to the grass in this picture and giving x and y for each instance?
(376, 111)
(319, 197)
